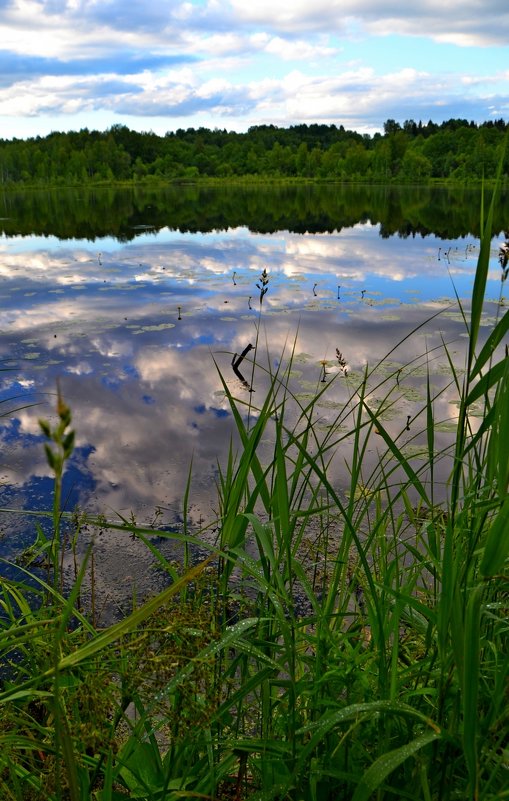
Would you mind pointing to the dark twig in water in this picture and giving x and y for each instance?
(236, 361)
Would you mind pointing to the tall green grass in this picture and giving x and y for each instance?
(342, 642)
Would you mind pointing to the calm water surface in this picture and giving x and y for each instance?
(130, 299)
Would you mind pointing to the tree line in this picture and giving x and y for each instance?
(456, 150)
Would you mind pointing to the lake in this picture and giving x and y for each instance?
(133, 299)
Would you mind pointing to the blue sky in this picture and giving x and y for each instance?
(161, 65)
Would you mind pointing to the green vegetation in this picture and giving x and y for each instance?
(456, 150)
(338, 643)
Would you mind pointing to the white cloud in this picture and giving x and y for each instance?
(461, 23)
(358, 98)
(229, 60)
(291, 14)
(292, 50)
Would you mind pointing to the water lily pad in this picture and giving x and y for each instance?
(160, 327)
(411, 393)
(447, 426)
(415, 452)
(302, 357)
(330, 404)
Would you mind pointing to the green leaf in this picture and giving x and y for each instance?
(50, 456)
(384, 765)
(472, 651)
(321, 728)
(45, 428)
(399, 456)
(141, 771)
(494, 339)
(128, 624)
(483, 262)
(497, 542)
(485, 383)
(68, 443)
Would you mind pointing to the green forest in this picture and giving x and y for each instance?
(456, 151)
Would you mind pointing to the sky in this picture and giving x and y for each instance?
(161, 65)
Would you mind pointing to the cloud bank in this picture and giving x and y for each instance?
(166, 64)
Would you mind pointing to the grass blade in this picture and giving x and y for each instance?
(384, 765)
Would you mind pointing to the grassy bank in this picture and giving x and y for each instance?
(341, 642)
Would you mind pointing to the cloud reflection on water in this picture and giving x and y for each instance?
(142, 383)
